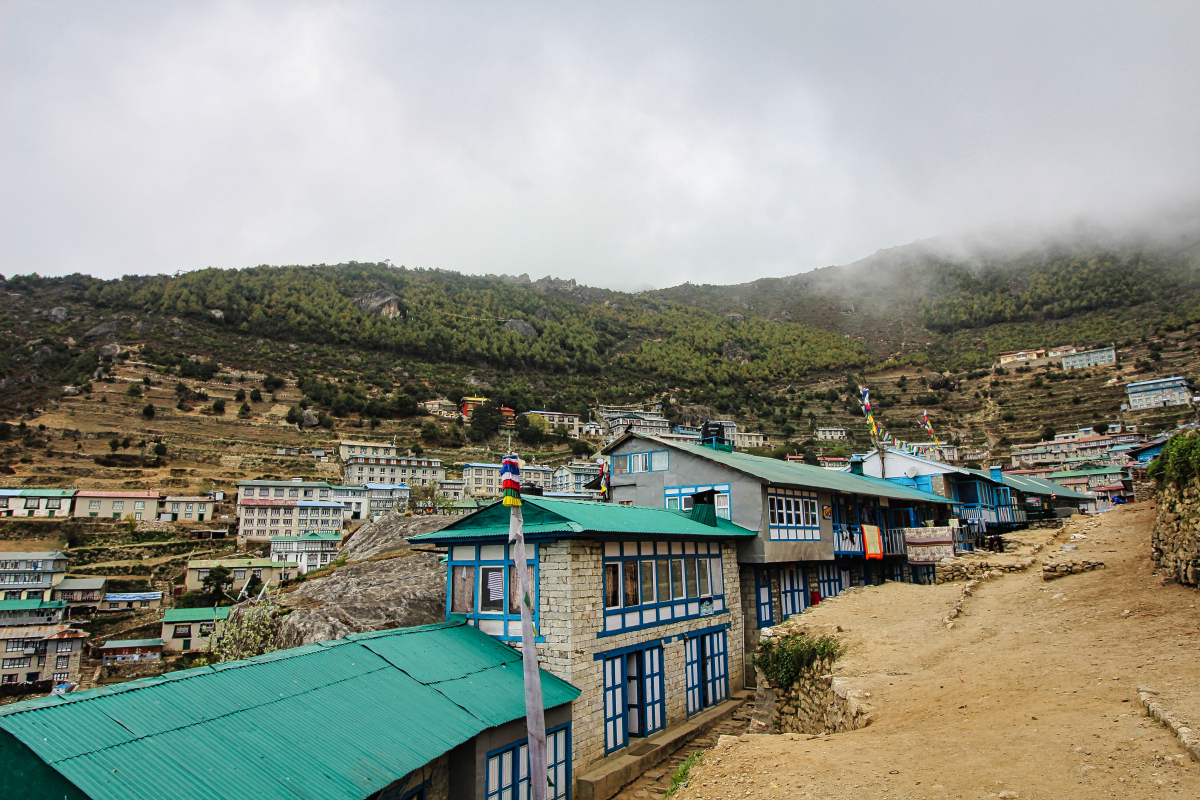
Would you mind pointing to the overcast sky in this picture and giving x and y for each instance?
(620, 144)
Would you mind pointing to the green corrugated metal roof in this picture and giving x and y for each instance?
(239, 563)
(544, 515)
(47, 493)
(133, 643)
(31, 605)
(1032, 485)
(1080, 473)
(245, 728)
(791, 473)
(195, 614)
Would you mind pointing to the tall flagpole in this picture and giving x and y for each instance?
(535, 715)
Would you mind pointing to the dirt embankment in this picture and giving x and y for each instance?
(1033, 693)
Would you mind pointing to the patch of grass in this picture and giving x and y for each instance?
(680, 778)
(783, 659)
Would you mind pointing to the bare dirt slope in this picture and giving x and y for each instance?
(1032, 693)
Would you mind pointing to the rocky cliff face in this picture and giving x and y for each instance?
(1175, 543)
(389, 535)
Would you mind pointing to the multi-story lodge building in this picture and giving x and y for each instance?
(636, 606)
(186, 508)
(385, 498)
(286, 508)
(81, 594)
(40, 503)
(482, 480)
(555, 418)
(308, 551)
(831, 434)
(575, 476)
(241, 571)
(808, 522)
(116, 505)
(1103, 357)
(537, 475)
(1175, 391)
(34, 653)
(376, 462)
(354, 498)
(31, 576)
(453, 489)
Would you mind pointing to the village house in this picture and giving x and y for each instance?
(537, 475)
(483, 480)
(1160, 392)
(440, 408)
(119, 650)
(1059, 352)
(688, 434)
(131, 601)
(810, 524)
(429, 713)
(931, 450)
(116, 505)
(354, 498)
(452, 489)
(468, 405)
(555, 418)
(82, 595)
(828, 462)
(35, 653)
(746, 440)
(592, 430)
(300, 554)
(41, 503)
(1103, 357)
(14, 613)
(285, 508)
(385, 498)
(242, 570)
(649, 423)
(31, 576)
(575, 476)
(1019, 357)
(635, 606)
(186, 509)
(831, 434)
(375, 462)
(1082, 480)
(188, 629)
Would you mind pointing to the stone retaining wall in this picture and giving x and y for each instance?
(964, 569)
(1061, 569)
(815, 703)
(1175, 542)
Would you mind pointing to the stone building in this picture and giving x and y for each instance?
(634, 606)
(41, 653)
(286, 508)
(383, 462)
(116, 505)
(31, 576)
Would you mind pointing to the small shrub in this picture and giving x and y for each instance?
(782, 660)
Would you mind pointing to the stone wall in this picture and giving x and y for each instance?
(1175, 542)
(815, 703)
(953, 570)
(1060, 569)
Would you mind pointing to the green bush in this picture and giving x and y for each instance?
(783, 659)
(1179, 460)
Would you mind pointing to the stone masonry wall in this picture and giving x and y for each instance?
(572, 616)
(816, 702)
(964, 569)
(1175, 542)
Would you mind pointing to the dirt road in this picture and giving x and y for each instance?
(1032, 693)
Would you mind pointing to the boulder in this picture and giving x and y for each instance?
(57, 314)
(42, 353)
(103, 330)
(110, 350)
(390, 534)
(217, 313)
(70, 391)
(520, 326)
(545, 315)
(735, 353)
(786, 316)
(382, 302)
(735, 317)
(308, 419)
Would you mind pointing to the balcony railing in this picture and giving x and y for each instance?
(847, 539)
(893, 541)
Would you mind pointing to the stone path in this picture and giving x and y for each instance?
(656, 781)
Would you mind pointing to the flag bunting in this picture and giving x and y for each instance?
(510, 480)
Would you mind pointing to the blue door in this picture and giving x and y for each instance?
(654, 708)
(616, 735)
(829, 580)
(695, 692)
(716, 668)
(793, 589)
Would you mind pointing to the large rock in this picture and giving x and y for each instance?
(42, 353)
(404, 589)
(103, 330)
(390, 534)
(521, 327)
(57, 314)
(545, 315)
(381, 302)
(308, 419)
(735, 353)
(217, 313)
(111, 350)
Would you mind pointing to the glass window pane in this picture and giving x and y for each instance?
(462, 599)
(647, 581)
(664, 582)
(692, 589)
(631, 584)
(491, 589)
(514, 591)
(702, 573)
(612, 586)
(677, 579)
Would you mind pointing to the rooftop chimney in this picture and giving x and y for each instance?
(704, 507)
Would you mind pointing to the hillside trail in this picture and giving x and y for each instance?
(1033, 693)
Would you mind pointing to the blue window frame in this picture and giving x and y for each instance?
(651, 461)
(829, 580)
(762, 596)
(680, 498)
(793, 515)
(481, 584)
(793, 589)
(616, 731)
(506, 775)
(655, 583)
(706, 669)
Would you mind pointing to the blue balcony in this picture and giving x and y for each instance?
(847, 539)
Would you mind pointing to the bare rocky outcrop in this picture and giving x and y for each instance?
(381, 302)
(390, 534)
(545, 315)
(309, 419)
(110, 350)
(735, 352)
(567, 288)
(57, 314)
(520, 326)
(102, 330)
(393, 591)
